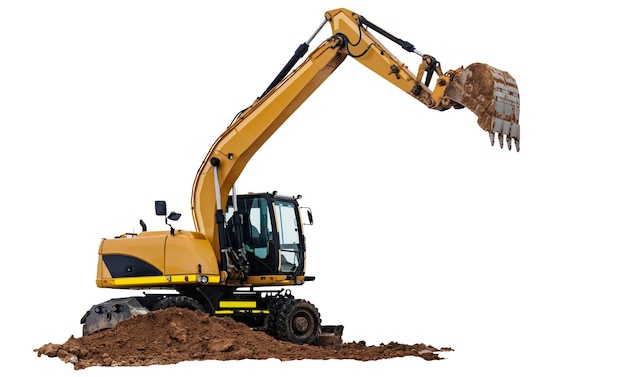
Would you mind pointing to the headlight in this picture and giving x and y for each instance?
(203, 279)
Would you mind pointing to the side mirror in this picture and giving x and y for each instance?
(309, 216)
(173, 216)
(160, 207)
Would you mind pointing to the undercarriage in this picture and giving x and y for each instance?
(275, 312)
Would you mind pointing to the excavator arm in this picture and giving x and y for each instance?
(488, 92)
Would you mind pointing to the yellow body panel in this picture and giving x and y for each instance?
(185, 251)
(152, 259)
(148, 246)
(154, 281)
(238, 304)
(268, 280)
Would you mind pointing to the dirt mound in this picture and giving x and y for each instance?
(174, 335)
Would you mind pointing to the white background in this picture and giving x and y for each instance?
(424, 233)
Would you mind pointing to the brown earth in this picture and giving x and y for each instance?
(174, 335)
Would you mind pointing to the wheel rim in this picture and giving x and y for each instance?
(301, 324)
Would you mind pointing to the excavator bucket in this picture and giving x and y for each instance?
(493, 96)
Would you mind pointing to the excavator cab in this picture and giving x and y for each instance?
(268, 228)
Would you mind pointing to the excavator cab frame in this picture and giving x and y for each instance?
(268, 228)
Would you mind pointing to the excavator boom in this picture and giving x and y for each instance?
(488, 92)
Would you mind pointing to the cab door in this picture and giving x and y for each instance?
(257, 230)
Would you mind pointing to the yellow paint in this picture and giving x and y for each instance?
(238, 304)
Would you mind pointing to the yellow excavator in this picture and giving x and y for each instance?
(248, 249)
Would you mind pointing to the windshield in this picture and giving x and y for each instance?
(289, 235)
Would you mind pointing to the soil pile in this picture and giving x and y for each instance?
(174, 335)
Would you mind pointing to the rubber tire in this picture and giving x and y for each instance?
(184, 302)
(272, 318)
(295, 320)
